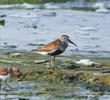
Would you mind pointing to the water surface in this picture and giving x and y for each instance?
(89, 30)
(28, 26)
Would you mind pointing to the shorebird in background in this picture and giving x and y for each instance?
(6, 73)
(55, 48)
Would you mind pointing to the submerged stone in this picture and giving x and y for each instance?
(99, 87)
(24, 99)
(52, 14)
(40, 61)
(106, 71)
(17, 54)
(85, 62)
(10, 46)
(71, 67)
(2, 22)
(34, 26)
(88, 63)
(9, 61)
(3, 15)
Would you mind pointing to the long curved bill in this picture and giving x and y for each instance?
(72, 42)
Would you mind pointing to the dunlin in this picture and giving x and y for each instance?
(6, 73)
(55, 48)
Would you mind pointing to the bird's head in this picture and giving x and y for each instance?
(65, 38)
(16, 72)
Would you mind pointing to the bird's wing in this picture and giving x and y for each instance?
(48, 47)
(4, 71)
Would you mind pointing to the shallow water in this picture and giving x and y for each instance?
(29, 26)
(32, 91)
(89, 30)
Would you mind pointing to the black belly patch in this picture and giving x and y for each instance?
(57, 52)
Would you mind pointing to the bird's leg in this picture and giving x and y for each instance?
(53, 62)
(8, 85)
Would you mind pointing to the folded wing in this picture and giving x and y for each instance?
(48, 47)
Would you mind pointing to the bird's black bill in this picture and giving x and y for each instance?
(72, 42)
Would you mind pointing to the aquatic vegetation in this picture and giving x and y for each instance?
(69, 80)
(58, 83)
(31, 44)
(2, 15)
(2, 22)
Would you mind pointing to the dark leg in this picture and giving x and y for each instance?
(53, 61)
(8, 85)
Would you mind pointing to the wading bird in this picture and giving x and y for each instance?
(55, 48)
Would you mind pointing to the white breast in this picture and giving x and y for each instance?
(43, 53)
(4, 77)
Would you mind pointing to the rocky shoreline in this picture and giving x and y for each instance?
(91, 77)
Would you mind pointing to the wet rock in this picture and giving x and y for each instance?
(40, 61)
(88, 63)
(9, 61)
(16, 54)
(2, 15)
(71, 77)
(2, 22)
(97, 65)
(10, 46)
(34, 26)
(52, 14)
(24, 99)
(107, 71)
(71, 67)
(99, 87)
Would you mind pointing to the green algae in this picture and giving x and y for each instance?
(2, 15)
(2, 22)
(39, 72)
(56, 90)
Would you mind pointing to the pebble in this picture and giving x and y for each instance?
(40, 61)
(16, 54)
(2, 22)
(88, 63)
